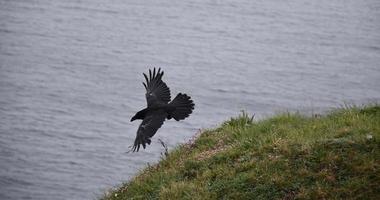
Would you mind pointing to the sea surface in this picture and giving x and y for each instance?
(71, 73)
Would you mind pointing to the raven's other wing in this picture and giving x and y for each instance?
(157, 92)
(148, 128)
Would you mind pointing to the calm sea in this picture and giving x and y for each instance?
(71, 73)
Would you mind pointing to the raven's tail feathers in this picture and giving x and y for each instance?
(183, 107)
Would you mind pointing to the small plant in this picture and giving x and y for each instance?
(242, 120)
(165, 153)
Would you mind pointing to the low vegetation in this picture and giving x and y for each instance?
(288, 156)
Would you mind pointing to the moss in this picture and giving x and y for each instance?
(288, 156)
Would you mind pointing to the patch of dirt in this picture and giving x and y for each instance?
(219, 147)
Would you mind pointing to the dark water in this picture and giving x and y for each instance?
(70, 77)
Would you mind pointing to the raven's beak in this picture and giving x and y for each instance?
(133, 118)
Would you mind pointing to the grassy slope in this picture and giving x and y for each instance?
(284, 157)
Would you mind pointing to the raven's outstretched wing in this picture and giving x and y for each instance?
(148, 128)
(157, 92)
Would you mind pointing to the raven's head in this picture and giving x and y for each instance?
(139, 115)
(134, 118)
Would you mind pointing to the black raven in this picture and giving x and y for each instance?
(158, 108)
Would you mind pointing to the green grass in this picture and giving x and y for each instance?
(288, 156)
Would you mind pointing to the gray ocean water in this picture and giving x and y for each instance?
(71, 73)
